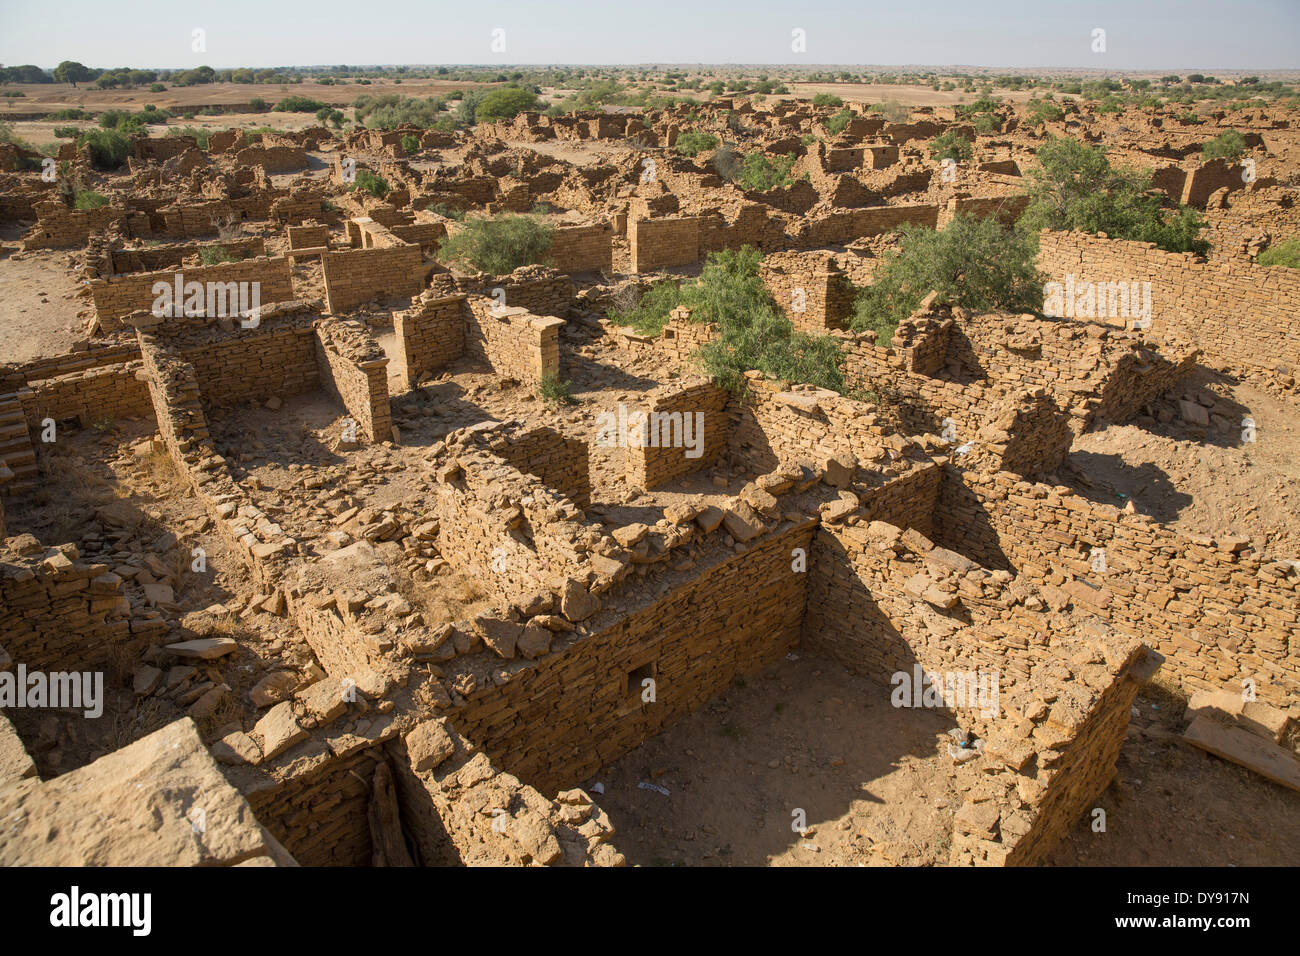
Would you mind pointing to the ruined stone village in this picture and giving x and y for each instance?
(321, 548)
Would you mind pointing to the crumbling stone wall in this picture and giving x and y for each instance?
(513, 341)
(461, 810)
(579, 707)
(540, 290)
(658, 243)
(1217, 610)
(430, 334)
(886, 601)
(58, 227)
(275, 361)
(118, 296)
(58, 613)
(274, 159)
(838, 228)
(308, 236)
(809, 288)
(154, 258)
(106, 393)
(582, 248)
(658, 454)
(562, 463)
(354, 276)
(1228, 314)
(353, 367)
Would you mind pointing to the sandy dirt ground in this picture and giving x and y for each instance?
(38, 312)
(876, 786)
(1203, 480)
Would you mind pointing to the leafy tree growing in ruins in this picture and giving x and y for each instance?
(693, 142)
(951, 145)
(108, 147)
(754, 334)
(368, 182)
(1075, 187)
(759, 173)
(972, 262)
(837, 123)
(1227, 146)
(498, 245)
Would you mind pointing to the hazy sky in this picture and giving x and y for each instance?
(1140, 34)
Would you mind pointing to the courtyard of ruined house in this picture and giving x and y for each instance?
(363, 592)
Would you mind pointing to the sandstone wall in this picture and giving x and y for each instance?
(580, 708)
(1239, 315)
(118, 296)
(582, 248)
(430, 334)
(1218, 611)
(513, 341)
(354, 368)
(58, 613)
(659, 454)
(354, 276)
(658, 243)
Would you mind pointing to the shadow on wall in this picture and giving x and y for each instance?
(962, 366)
(1109, 480)
(962, 524)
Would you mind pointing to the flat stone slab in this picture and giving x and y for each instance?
(161, 801)
(1247, 749)
(204, 648)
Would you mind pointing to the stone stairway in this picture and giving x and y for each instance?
(16, 445)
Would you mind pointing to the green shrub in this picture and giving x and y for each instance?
(85, 199)
(258, 105)
(505, 103)
(369, 182)
(555, 391)
(151, 114)
(297, 104)
(498, 245)
(447, 212)
(392, 110)
(214, 255)
(754, 334)
(693, 142)
(836, 124)
(108, 147)
(1074, 186)
(827, 99)
(201, 136)
(1227, 146)
(68, 114)
(1283, 254)
(952, 146)
(66, 132)
(117, 119)
(973, 262)
(1038, 112)
(758, 173)
(157, 88)
(411, 144)
(466, 109)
